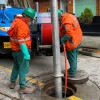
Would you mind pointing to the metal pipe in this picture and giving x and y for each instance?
(56, 48)
(3, 14)
(28, 4)
(36, 6)
(6, 17)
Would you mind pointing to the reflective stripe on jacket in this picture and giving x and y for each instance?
(71, 27)
(19, 33)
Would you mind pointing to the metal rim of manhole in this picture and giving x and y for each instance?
(86, 91)
(49, 90)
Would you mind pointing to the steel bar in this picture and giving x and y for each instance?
(56, 48)
(36, 6)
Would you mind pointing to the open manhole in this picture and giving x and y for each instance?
(49, 90)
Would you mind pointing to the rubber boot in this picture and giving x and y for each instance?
(12, 85)
(26, 90)
(70, 75)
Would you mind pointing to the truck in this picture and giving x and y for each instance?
(40, 28)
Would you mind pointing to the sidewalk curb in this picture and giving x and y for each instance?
(93, 54)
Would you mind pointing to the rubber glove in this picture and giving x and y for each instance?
(25, 51)
(65, 37)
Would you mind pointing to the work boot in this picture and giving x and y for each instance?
(70, 75)
(12, 85)
(26, 90)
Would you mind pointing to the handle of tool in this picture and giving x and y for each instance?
(65, 69)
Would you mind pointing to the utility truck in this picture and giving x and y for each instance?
(40, 28)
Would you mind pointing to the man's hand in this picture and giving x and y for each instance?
(25, 51)
(27, 56)
(65, 37)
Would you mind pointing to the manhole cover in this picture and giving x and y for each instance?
(81, 77)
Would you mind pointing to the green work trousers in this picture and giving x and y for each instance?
(21, 68)
(72, 59)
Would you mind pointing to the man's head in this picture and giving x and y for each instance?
(60, 14)
(28, 14)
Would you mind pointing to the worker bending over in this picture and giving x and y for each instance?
(71, 35)
(20, 41)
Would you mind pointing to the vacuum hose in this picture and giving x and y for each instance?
(65, 69)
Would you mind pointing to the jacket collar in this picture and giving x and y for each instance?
(22, 19)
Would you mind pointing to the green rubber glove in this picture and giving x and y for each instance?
(25, 51)
(65, 38)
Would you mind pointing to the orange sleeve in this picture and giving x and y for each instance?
(70, 30)
(11, 29)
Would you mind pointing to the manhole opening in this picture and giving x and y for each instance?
(49, 89)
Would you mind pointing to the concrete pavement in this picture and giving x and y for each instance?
(41, 68)
(91, 41)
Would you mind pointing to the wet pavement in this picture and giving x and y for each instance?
(41, 73)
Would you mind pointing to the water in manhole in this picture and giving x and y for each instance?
(49, 89)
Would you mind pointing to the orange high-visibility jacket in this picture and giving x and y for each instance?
(19, 33)
(71, 27)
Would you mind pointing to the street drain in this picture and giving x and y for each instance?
(49, 89)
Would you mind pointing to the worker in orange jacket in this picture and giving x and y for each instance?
(20, 41)
(71, 35)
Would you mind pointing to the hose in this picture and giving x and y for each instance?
(65, 69)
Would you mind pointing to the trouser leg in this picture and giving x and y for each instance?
(23, 70)
(72, 58)
(15, 69)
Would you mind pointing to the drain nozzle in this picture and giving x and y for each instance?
(65, 96)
